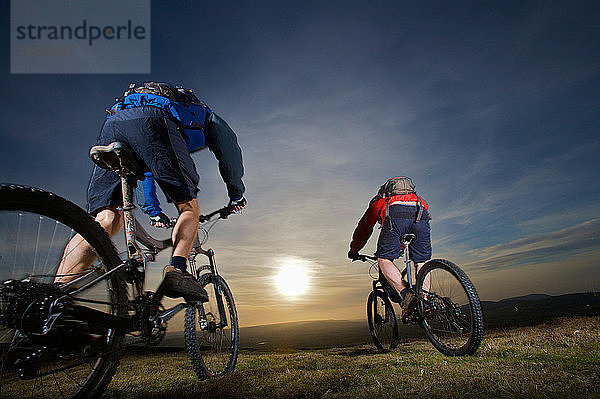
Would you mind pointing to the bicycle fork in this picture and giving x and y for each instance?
(212, 266)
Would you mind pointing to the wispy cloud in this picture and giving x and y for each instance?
(539, 248)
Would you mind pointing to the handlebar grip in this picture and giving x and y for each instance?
(223, 214)
(364, 258)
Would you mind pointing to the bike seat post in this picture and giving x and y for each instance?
(406, 240)
(408, 264)
(133, 250)
(129, 221)
(119, 158)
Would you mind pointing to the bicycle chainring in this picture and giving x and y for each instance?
(149, 324)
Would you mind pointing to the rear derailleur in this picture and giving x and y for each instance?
(41, 316)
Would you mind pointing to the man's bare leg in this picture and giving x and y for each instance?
(427, 281)
(391, 273)
(186, 228)
(176, 283)
(79, 255)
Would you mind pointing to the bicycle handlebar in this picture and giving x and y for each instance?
(364, 258)
(223, 214)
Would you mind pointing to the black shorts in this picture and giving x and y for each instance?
(389, 245)
(155, 138)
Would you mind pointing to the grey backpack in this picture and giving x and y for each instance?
(400, 185)
(397, 186)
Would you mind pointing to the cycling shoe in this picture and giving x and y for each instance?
(177, 284)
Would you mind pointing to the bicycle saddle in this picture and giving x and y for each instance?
(119, 158)
(408, 238)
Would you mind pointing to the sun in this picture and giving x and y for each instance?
(293, 277)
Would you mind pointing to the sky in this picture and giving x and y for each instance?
(491, 107)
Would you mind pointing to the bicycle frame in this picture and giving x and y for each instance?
(135, 264)
(406, 240)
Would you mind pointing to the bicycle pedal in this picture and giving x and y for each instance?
(194, 301)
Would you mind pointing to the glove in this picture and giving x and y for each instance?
(236, 205)
(160, 220)
(353, 255)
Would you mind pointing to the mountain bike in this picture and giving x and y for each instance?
(65, 340)
(445, 305)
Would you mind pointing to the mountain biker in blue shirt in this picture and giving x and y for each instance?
(162, 124)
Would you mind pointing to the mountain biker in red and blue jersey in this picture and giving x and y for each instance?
(398, 214)
(162, 124)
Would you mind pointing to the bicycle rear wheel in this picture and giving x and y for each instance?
(212, 338)
(381, 317)
(451, 311)
(72, 360)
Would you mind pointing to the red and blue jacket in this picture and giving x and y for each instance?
(404, 205)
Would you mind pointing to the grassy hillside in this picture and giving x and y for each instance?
(511, 312)
(558, 359)
(303, 335)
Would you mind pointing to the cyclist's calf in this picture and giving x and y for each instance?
(186, 228)
(111, 220)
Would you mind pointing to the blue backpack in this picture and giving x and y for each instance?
(181, 103)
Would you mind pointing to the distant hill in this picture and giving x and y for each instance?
(296, 335)
(535, 309)
(511, 312)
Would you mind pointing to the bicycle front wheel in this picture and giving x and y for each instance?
(451, 310)
(70, 359)
(381, 317)
(212, 336)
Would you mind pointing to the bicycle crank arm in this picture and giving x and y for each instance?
(168, 314)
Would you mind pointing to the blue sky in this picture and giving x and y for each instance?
(491, 107)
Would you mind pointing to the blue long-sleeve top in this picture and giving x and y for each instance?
(222, 142)
(200, 128)
(151, 204)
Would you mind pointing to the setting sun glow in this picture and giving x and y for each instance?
(292, 279)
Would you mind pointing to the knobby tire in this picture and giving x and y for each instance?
(383, 324)
(469, 312)
(205, 348)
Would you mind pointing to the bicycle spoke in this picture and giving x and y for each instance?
(34, 386)
(71, 378)
(58, 386)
